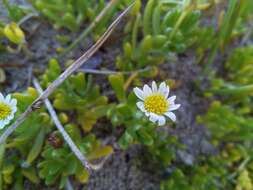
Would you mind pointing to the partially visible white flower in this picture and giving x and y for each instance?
(8, 108)
(155, 102)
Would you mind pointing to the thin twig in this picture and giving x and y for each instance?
(70, 70)
(59, 126)
(68, 185)
(65, 135)
(110, 72)
(90, 27)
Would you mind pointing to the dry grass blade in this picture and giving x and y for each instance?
(70, 70)
(59, 126)
(65, 135)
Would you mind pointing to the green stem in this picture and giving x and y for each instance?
(224, 32)
(231, 21)
(179, 21)
(135, 31)
(233, 90)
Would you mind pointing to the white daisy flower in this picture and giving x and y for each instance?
(155, 102)
(8, 108)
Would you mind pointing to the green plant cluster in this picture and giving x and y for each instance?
(163, 29)
(39, 152)
(229, 119)
(72, 14)
(231, 169)
(12, 37)
(78, 94)
(16, 11)
(231, 124)
(69, 14)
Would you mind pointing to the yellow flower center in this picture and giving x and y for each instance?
(156, 104)
(5, 111)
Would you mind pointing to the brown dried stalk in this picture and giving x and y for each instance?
(70, 70)
(65, 135)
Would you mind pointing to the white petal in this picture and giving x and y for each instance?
(164, 90)
(153, 117)
(13, 102)
(147, 90)
(1, 124)
(1, 97)
(8, 98)
(154, 87)
(6, 121)
(166, 93)
(161, 120)
(139, 93)
(140, 105)
(171, 115)
(10, 117)
(162, 86)
(147, 113)
(171, 100)
(14, 109)
(174, 107)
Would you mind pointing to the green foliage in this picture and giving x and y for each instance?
(228, 124)
(13, 33)
(226, 170)
(12, 30)
(163, 148)
(117, 83)
(240, 67)
(231, 24)
(59, 162)
(21, 154)
(164, 29)
(15, 11)
(77, 95)
(25, 133)
(71, 14)
(198, 178)
(138, 128)
(238, 86)
(244, 181)
(27, 142)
